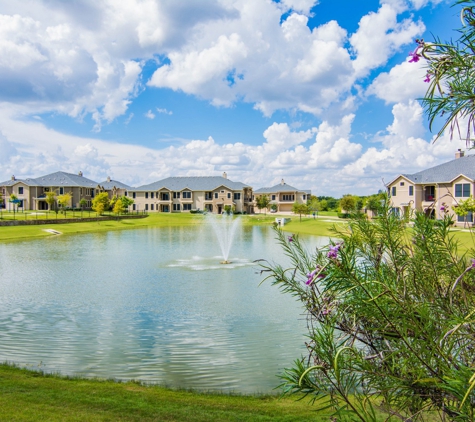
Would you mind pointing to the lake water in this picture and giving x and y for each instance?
(152, 305)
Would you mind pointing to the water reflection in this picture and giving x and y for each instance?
(151, 304)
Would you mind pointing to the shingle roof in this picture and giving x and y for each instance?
(109, 184)
(280, 188)
(59, 178)
(446, 172)
(198, 183)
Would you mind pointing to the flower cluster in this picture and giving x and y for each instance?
(444, 208)
(333, 251)
(416, 56)
(291, 238)
(315, 274)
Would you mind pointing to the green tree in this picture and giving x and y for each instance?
(82, 203)
(262, 202)
(100, 203)
(464, 207)
(14, 200)
(323, 205)
(300, 209)
(390, 320)
(348, 203)
(64, 201)
(126, 201)
(118, 206)
(50, 198)
(314, 204)
(451, 76)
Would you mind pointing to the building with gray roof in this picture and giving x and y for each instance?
(177, 194)
(435, 191)
(282, 196)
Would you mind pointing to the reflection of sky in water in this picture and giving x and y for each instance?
(150, 304)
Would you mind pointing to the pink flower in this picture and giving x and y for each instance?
(333, 252)
(415, 56)
(427, 79)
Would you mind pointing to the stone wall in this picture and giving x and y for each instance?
(33, 222)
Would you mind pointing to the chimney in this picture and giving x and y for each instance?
(282, 182)
(108, 179)
(459, 153)
(225, 175)
(13, 177)
(80, 173)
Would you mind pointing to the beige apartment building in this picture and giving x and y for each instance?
(179, 194)
(31, 192)
(283, 196)
(430, 190)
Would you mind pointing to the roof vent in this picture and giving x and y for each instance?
(13, 177)
(225, 175)
(459, 153)
(108, 179)
(282, 182)
(80, 173)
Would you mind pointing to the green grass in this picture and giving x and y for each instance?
(33, 396)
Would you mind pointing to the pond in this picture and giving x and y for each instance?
(153, 305)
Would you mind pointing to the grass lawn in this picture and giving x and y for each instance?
(32, 396)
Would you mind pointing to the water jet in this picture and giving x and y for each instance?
(225, 227)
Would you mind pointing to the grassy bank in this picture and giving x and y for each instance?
(32, 396)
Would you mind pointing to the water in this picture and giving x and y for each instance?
(150, 304)
(225, 227)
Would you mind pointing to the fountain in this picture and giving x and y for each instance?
(224, 227)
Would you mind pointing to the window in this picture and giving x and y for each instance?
(165, 197)
(468, 217)
(176, 207)
(393, 191)
(208, 196)
(133, 205)
(125, 193)
(186, 207)
(273, 197)
(146, 207)
(229, 195)
(151, 196)
(303, 197)
(61, 191)
(133, 195)
(80, 192)
(176, 195)
(216, 195)
(146, 196)
(401, 183)
(187, 195)
(151, 207)
(20, 190)
(237, 196)
(288, 197)
(462, 190)
(411, 190)
(222, 191)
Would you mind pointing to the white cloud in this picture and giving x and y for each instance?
(164, 111)
(149, 115)
(402, 83)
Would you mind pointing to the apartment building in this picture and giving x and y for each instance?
(437, 188)
(283, 196)
(178, 194)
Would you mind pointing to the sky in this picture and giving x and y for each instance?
(319, 93)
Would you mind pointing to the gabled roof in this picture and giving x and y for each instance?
(109, 184)
(445, 173)
(59, 178)
(280, 188)
(198, 183)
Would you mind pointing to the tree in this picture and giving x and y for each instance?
(118, 206)
(263, 201)
(64, 201)
(1, 204)
(323, 205)
(126, 201)
(390, 320)
(300, 209)
(100, 203)
(82, 203)
(50, 198)
(464, 207)
(451, 75)
(314, 204)
(15, 201)
(348, 203)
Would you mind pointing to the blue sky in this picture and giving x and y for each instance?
(319, 93)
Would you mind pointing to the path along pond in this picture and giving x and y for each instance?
(153, 305)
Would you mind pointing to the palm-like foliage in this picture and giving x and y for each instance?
(391, 320)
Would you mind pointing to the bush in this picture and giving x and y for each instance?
(343, 215)
(391, 320)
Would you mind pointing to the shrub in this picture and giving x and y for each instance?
(391, 320)
(343, 215)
